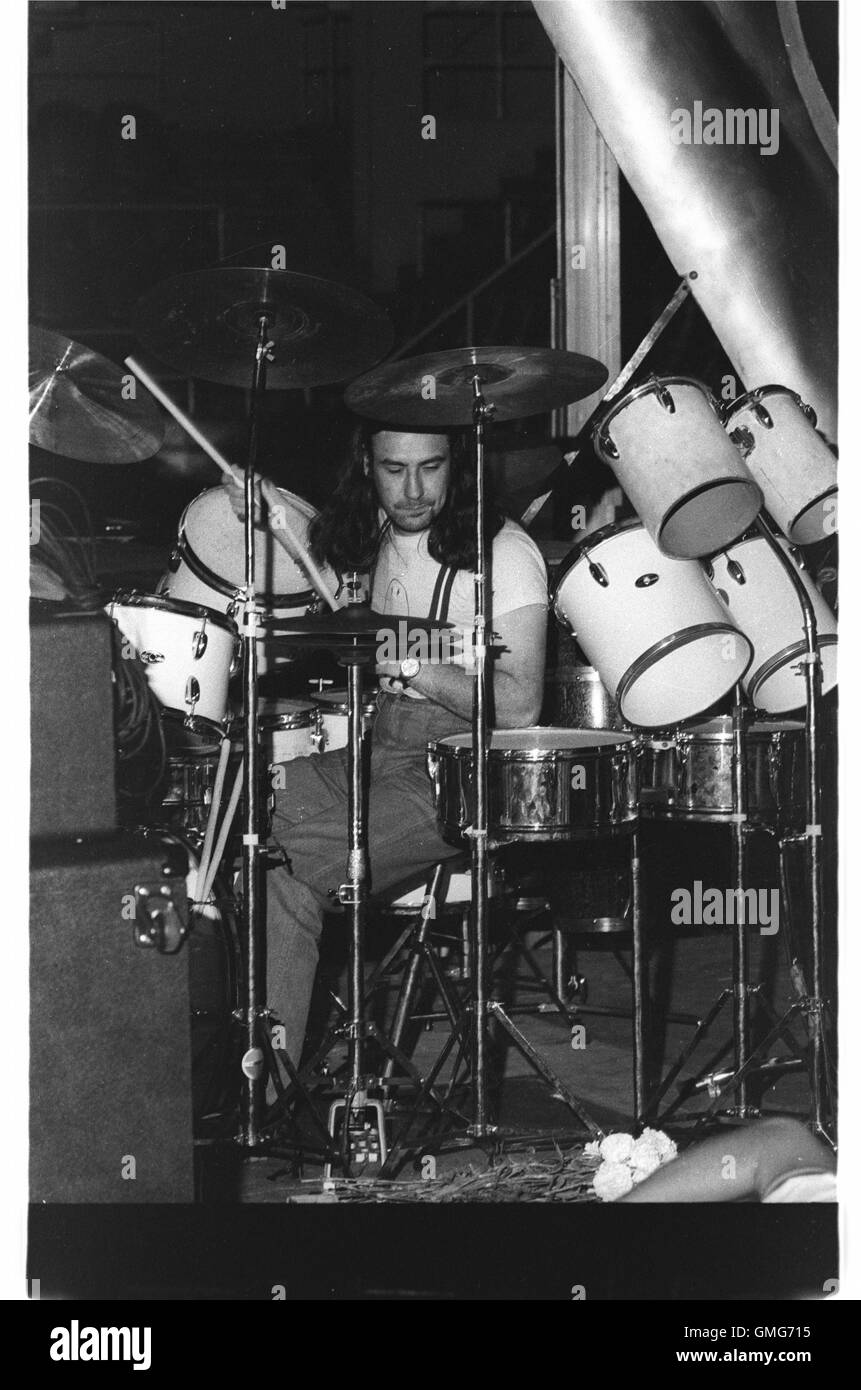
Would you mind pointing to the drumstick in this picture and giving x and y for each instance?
(286, 538)
(290, 542)
(188, 425)
(218, 853)
(214, 807)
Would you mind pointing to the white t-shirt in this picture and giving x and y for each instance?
(405, 577)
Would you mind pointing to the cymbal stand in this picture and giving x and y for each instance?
(481, 413)
(481, 1008)
(253, 1059)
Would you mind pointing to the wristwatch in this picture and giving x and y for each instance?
(410, 667)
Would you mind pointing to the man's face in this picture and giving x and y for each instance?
(411, 473)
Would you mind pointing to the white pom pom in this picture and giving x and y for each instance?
(611, 1181)
(616, 1148)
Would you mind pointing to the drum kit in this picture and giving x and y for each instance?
(695, 598)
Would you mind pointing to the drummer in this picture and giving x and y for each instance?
(404, 512)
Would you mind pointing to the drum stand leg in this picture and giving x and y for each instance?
(812, 1006)
(740, 992)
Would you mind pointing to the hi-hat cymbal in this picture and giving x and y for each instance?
(436, 390)
(78, 404)
(206, 324)
(357, 625)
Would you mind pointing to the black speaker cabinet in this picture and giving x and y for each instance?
(110, 1052)
(72, 770)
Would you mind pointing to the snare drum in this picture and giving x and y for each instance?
(775, 432)
(652, 626)
(689, 776)
(667, 446)
(543, 784)
(331, 721)
(187, 651)
(207, 564)
(757, 594)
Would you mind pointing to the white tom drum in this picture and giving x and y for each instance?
(187, 651)
(667, 446)
(543, 784)
(207, 564)
(286, 728)
(759, 596)
(775, 432)
(331, 721)
(652, 626)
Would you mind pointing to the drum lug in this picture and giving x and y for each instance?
(192, 695)
(760, 411)
(605, 445)
(433, 771)
(806, 409)
(645, 581)
(199, 643)
(743, 439)
(151, 658)
(599, 574)
(735, 571)
(174, 559)
(664, 396)
(318, 732)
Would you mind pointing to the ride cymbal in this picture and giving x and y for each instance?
(206, 324)
(78, 405)
(436, 391)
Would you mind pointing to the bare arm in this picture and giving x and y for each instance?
(740, 1163)
(517, 672)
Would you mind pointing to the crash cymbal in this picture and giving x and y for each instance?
(436, 391)
(78, 406)
(357, 625)
(205, 324)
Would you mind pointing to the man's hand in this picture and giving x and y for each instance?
(236, 498)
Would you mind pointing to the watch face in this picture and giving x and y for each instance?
(410, 667)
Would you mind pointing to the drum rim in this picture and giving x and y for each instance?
(815, 502)
(725, 733)
(774, 663)
(297, 599)
(674, 643)
(198, 723)
(735, 480)
(653, 385)
(327, 705)
(583, 547)
(274, 722)
(136, 598)
(627, 743)
(750, 397)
